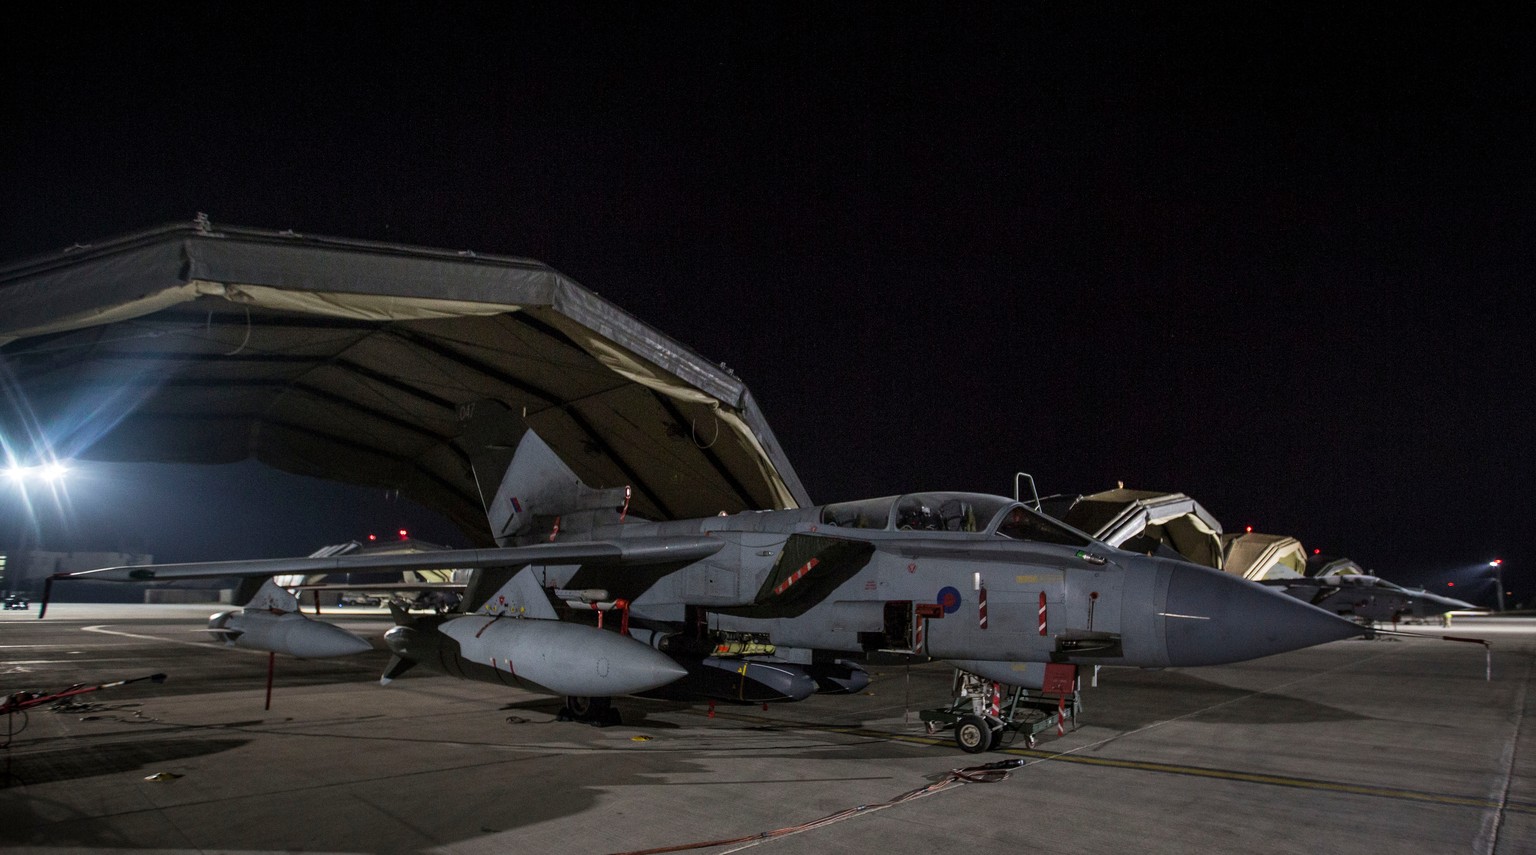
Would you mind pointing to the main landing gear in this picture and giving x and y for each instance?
(598, 712)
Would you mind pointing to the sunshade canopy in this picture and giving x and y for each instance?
(1143, 520)
(1264, 556)
(354, 362)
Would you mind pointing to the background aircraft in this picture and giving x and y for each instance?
(1174, 524)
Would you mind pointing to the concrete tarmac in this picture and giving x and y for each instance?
(1396, 745)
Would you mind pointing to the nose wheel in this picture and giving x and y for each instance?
(977, 728)
(975, 734)
(598, 711)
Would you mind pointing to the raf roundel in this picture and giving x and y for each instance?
(949, 598)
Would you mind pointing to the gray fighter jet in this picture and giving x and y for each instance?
(583, 600)
(1343, 587)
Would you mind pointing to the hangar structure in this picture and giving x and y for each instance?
(356, 362)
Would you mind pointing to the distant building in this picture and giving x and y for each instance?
(25, 571)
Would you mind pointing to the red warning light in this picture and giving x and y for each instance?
(1450, 584)
(1249, 529)
(1317, 552)
(373, 537)
(404, 534)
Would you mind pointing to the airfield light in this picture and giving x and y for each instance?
(373, 537)
(15, 474)
(1498, 574)
(1249, 529)
(54, 472)
(404, 535)
(1450, 584)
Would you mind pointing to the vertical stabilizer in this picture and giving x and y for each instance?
(537, 495)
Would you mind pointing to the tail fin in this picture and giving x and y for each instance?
(536, 489)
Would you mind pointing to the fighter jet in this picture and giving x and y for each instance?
(439, 589)
(1345, 588)
(583, 600)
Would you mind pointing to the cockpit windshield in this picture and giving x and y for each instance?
(946, 511)
(1020, 523)
(958, 512)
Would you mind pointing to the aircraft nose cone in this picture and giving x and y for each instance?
(1213, 617)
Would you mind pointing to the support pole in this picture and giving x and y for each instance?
(271, 665)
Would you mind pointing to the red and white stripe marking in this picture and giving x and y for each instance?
(1042, 613)
(796, 576)
(996, 707)
(981, 606)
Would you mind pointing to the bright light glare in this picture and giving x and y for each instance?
(1497, 562)
(51, 473)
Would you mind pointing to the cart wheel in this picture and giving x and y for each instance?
(972, 734)
(931, 726)
(997, 738)
(1029, 741)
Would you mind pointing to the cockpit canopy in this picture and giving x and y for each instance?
(977, 513)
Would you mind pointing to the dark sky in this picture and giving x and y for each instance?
(1276, 257)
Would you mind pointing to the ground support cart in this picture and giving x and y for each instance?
(984, 713)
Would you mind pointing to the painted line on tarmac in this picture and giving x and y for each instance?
(202, 645)
(205, 645)
(1039, 756)
(1487, 841)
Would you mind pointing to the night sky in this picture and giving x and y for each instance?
(1276, 257)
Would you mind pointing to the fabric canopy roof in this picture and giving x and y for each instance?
(1141, 520)
(354, 362)
(1264, 556)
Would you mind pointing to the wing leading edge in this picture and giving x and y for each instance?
(626, 551)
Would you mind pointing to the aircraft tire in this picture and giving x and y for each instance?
(972, 734)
